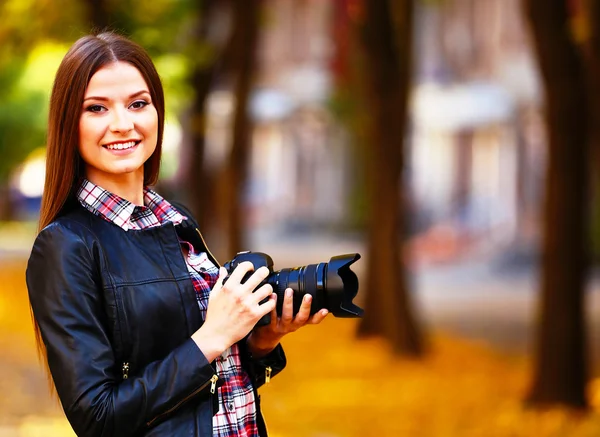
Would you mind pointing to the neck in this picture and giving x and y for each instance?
(129, 186)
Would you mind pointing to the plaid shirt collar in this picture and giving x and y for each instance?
(155, 212)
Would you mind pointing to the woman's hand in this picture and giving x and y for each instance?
(233, 309)
(263, 339)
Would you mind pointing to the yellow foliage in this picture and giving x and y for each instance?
(334, 386)
(338, 386)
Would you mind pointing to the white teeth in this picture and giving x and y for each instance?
(120, 146)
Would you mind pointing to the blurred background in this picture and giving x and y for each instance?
(452, 143)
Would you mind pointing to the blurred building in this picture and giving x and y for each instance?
(300, 162)
(476, 140)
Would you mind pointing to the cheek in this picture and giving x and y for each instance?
(151, 127)
(87, 132)
(83, 138)
(90, 134)
(153, 122)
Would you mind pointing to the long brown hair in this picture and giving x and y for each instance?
(64, 166)
(63, 162)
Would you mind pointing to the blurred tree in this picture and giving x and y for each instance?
(347, 68)
(246, 14)
(21, 131)
(98, 14)
(24, 26)
(160, 26)
(201, 179)
(560, 372)
(224, 39)
(386, 35)
(590, 36)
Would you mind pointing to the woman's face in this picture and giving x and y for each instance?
(118, 127)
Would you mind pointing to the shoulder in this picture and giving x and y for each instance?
(68, 227)
(69, 235)
(64, 256)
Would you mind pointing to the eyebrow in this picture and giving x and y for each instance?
(136, 94)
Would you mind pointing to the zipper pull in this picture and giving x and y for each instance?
(213, 383)
(125, 370)
(268, 371)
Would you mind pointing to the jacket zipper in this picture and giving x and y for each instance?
(268, 371)
(206, 247)
(213, 386)
(124, 329)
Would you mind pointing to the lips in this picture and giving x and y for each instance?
(121, 145)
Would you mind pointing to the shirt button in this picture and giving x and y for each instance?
(230, 406)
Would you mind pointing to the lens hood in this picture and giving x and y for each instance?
(341, 286)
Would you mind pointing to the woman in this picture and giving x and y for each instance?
(140, 334)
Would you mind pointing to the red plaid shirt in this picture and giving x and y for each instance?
(237, 408)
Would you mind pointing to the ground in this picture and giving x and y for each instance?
(470, 383)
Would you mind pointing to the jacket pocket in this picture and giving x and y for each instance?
(124, 345)
(211, 384)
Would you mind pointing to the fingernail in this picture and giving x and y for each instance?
(307, 297)
(288, 293)
(324, 312)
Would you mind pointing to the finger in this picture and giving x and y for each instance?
(269, 307)
(257, 277)
(318, 317)
(222, 275)
(262, 293)
(240, 271)
(304, 311)
(274, 315)
(287, 312)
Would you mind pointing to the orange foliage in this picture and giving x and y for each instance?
(334, 386)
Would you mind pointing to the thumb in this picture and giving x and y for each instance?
(222, 276)
(219, 284)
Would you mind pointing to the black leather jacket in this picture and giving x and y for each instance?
(116, 312)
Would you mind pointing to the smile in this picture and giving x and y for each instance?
(121, 146)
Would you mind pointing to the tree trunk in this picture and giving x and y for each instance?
(560, 370)
(98, 14)
(246, 22)
(388, 309)
(593, 64)
(201, 180)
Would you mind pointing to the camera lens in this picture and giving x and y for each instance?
(332, 286)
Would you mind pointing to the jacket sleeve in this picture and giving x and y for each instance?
(263, 368)
(66, 300)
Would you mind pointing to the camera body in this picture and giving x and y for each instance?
(332, 285)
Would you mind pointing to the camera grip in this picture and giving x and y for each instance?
(264, 320)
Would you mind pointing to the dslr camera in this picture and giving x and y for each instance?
(332, 284)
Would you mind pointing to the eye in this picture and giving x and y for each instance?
(95, 108)
(139, 104)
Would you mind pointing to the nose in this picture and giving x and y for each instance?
(121, 121)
